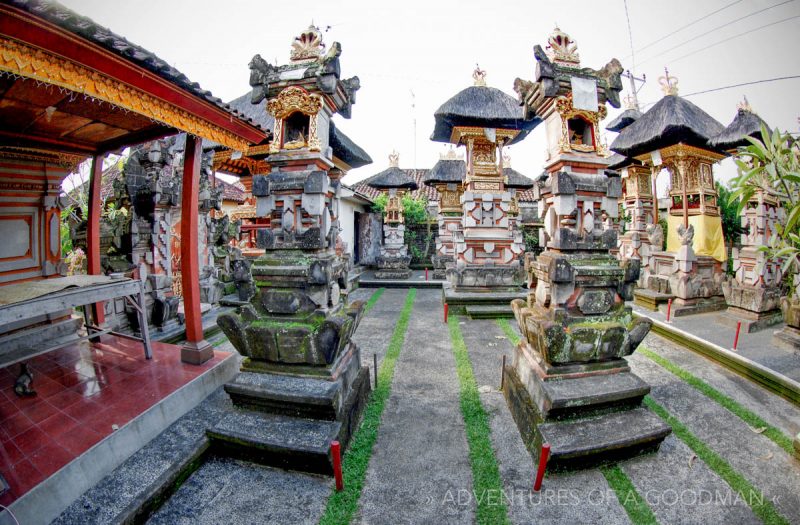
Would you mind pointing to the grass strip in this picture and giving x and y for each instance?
(485, 472)
(761, 506)
(342, 505)
(751, 418)
(373, 299)
(636, 508)
(512, 335)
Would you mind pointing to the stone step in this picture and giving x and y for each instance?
(454, 298)
(491, 311)
(650, 299)
(279, 441)
(412, 282)
(575, 396)
(286, 395)
(617, 435)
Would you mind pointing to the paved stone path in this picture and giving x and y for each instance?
(420, 461)
(757, 346)
(375, 329)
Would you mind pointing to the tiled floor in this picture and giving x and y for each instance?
(84, 392)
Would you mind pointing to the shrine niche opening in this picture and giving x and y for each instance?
(581, 132)
(295, 134)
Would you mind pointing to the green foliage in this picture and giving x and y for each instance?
(772, 164)
(509, 331)
(373, 299)
(379, 203)
(485, 472)
(729, 212)
(415, 211)
(761, 505)
(342, 505)
(628, 496)
(664, 229)
(746, 415)
(530, 235)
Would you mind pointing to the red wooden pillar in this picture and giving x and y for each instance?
(93, 231)
(196, 350)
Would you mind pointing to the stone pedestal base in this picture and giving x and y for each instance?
(459, 300)
(751, 321)
(787, 337)
(196, 353)
(588, 415)
(650, 299)
(289, 419)
(494, 278)
(393, 273)
(682, 307)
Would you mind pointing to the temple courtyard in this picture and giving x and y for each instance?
(438, 417)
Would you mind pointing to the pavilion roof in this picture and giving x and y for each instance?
(624, 119)
(447, 171)
(744, 124)
(670, 121)
(481, 106)
(392, 177)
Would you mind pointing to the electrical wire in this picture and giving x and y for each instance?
(726, 24)
(734, 36)
(687, 25)
(740, 85)
(630, 37)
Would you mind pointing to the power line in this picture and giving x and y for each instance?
(726, 24)
(734, 36)
(740, 85)
(630, 36)
(687, 25)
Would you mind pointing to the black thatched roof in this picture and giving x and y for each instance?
(624, 119)
(670, 121)
(481, 106)
(88, 29)
(745, 124)
(392, 177)
(621, 161)
(447, 171)
(517, 180)
(347, 150)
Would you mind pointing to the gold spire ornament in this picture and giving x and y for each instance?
(744, 105)
(307, 46)
(394, 159)
(479, 76)
(669, 83)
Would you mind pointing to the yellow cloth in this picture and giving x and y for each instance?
(708, 238)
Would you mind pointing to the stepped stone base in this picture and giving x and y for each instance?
(393, 273)
(489, 311)
(682, 307)
(787, 337)
(751, 321)
(650, 299)
(587, 416)
(458, 301)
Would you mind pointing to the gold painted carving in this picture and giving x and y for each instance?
(29, 62)
(288, 101)
(450, 200)
(307, 46)
(486, 186)
(243, 211)
(567, 111)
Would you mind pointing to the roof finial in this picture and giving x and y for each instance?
(744, 105)
(479, 76)
(394, 159)
(562, 49)
(451, 154)
(669, 84)
(506, 159)
(307, 46)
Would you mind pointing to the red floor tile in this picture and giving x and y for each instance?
(40, 410)
(79, 440)
(65, 398)
(50, 458)
(57, 425)
(32, 440)
(10, 453)
(22, 477)
(17, 424)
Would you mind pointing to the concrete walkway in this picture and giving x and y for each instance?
(420, 461)
(757, 346)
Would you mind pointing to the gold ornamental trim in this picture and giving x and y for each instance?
(567, 111)
(294, 98)
(67, 161)
(242, 212)
(30, 62)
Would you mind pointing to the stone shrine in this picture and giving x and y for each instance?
(753, 293)
(394, 260)
(487, 252)
(568, 384)
(302, 384)
(674, 135)
(447, 176)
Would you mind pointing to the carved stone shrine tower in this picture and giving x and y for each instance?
(569, 384)
(302, 383)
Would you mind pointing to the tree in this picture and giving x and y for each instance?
(772, 164)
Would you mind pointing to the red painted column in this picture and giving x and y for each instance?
(93, 231)
(195, 350)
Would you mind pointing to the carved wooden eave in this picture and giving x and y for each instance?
(36, 49)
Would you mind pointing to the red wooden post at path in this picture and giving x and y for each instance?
(544, 455)
(195, 350)
(93, 232)
(736, 338)
(426, 274)
(669, 308)
(336, 452)
(445, 313)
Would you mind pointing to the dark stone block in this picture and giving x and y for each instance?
(261, 186)
(562, 183)
(264, 239)
(316, 182)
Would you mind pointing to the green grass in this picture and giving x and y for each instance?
(751, 418)
(761, 506)
(636, 508)
(373, 299)
(342, 505)
(512, 335)
(485, 472)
